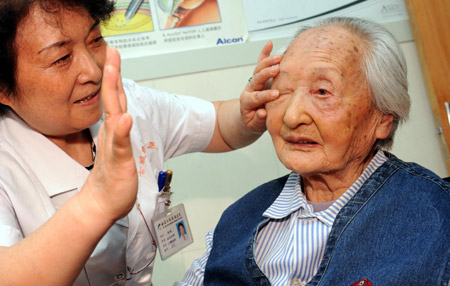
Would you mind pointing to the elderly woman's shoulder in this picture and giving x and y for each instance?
(411, 173)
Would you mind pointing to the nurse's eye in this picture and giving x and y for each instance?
(62, 60)
(98, 42)
(98, 39)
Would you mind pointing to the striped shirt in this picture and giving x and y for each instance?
(289, 249)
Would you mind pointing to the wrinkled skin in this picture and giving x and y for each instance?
(324, 124)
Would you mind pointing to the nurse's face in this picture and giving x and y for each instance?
(60, 58)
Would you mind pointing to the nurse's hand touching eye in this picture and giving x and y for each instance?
(113, 181)
(255, 94)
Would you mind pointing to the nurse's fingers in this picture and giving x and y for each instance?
(266, 50)
(266, 69)
(265, 59)
(259, 81)
(110, 92)
(116, 122)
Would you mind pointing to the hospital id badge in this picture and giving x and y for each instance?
(172, 231)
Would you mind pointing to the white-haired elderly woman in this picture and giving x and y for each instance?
(350, 213)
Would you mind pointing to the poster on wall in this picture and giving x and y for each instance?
(166, 26)
(268, 19)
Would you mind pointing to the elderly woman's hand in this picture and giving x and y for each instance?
(254, 96)
(113, 182)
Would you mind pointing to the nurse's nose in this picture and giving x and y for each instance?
(90, 70)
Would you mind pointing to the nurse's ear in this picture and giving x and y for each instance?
(5, 98)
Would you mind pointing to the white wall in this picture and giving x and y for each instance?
(208, 183)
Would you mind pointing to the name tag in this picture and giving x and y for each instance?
(172, 231)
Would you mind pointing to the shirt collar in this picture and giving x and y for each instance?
(56, 171)
(292, 199)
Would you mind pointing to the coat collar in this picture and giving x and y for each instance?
(56, 170)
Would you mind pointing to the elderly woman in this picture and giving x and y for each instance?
(350, 213)
(63, 219)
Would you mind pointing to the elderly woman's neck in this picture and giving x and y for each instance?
(329, 187)
(321, 191)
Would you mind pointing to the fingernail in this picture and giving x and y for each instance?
(274, 93)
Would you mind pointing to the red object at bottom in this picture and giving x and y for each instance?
(363, 282)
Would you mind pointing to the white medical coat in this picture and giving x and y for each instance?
(35, 175)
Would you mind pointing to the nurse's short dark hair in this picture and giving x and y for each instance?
(12, 12)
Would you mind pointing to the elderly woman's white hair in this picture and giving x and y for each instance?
(384, 67)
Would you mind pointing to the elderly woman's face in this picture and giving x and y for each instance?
(324, 121)
(59, 70)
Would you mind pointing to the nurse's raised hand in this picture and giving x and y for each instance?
(257, 92)
(113, 181)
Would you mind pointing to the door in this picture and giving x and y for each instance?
(430, 23)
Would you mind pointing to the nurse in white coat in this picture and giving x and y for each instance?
(63, 219)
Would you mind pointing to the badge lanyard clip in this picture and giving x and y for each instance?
(171, 224)
(164, 180)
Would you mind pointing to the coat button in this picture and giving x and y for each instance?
(120, 277)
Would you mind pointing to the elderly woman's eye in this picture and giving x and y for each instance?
(322, 91)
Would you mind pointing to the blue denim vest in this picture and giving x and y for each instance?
(394, 231)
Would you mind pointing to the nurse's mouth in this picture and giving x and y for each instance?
(87, 98)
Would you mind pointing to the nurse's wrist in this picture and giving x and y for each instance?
(89, 215)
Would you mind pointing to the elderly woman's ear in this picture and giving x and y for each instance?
(384, 126)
